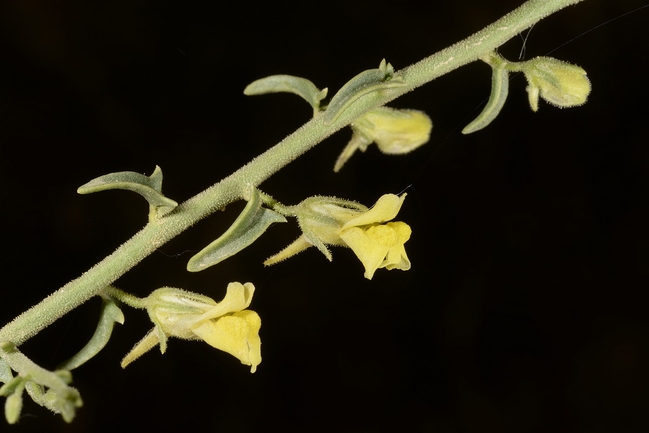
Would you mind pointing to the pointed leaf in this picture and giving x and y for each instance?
(110, 313)
(252, 223)
(288, 83)
(149, 187)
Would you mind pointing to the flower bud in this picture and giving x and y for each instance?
(558, 83)
(394, 131)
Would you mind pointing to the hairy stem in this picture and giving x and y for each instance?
(232, 188)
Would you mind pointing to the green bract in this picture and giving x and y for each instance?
(252, 223)
(110, 314)
(369, 81)
(498, 96)
(149, 187)
(288, 83)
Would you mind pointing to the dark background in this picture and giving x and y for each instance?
(524, 310)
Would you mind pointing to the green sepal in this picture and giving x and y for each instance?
(315, 241)
(149, 187)
(162, 339)
(252, 223)
(110, 313)
(499, 92)
(288, 83)
(371, 80)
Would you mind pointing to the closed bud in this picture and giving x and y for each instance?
(395, 132)
(558, 83)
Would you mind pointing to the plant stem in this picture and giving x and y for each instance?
(232, 188)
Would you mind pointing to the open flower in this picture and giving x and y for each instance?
(379, 245)
(376, 241)
(225, 325)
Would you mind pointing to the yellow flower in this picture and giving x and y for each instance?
(225, 325)
(379, 245)
(375, 241)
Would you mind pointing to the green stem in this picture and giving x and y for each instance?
(124, 297)
(269, 201)
(232, 188)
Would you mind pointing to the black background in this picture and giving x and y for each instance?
(524, 310)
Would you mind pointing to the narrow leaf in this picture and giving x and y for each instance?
(371, 80)
(499, 91)
(149, 187)
(252, 223)
(110, 313)
(288, 83)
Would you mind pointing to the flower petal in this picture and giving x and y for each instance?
(385, 209)
(370, 246)
(237, 334)
(237, 298)
(396, 257)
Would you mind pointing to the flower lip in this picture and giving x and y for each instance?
(385, 209)
(237, 297)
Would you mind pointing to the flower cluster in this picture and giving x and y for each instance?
(370, 233)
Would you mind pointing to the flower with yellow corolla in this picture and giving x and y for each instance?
(225, 325)
(375, 239)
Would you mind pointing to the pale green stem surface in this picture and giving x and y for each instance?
(233, 187)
